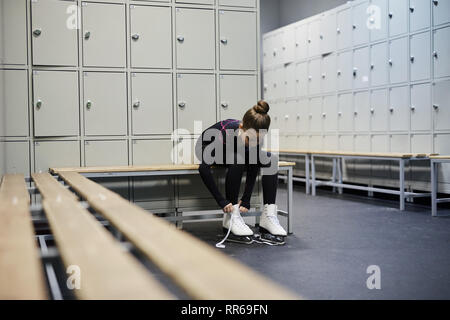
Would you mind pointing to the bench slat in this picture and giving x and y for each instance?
(14, 189)
(51, 188)
(440, 157)
(202, 271)
(357, 154)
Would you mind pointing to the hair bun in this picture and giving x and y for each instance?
(262, 107)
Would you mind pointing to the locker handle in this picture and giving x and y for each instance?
(89, 104)
(339, 113)
(135, 37)
(355, 71)
(413, 108)
(310, 78)
(182, 104)
(435, 54)
(297, 44)
(391, 109)
(372, 110)
(435, 106)
(372, 66)
(411, 9)
(390, 62)
(324, 115)
(37, 32)
(224, 105)
(321, 37)
(338, 30)
(354, 27)
(38, 104)
(339, 72)
(390, 15)
(435, 2)
(224, 41)
(355, 113)
(298, 116)
(412, 59)
(87, 35)
(323, 75)
(180, 39)
(136, 104)
(286, 117)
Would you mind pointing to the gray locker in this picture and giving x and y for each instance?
(441, 53)
(276, 53)
(184, 151)
(381, 169)
(345, 142)
(54, 43)
(441, 105)
(420, 56)
(441, 12)
(238, 93)
(14, 103)
(362, 144)
(196, 100)
(362, 112)
(151, 103)
(104, 39)
(328, 33)
(330, 142)
(398, 17)
(419, 14)
(238, 3)
(422, 143)
(345, 70)
(267, 85)
(361, 32)
(237, 40)
(275, 112)
(14, 33)
(56, 154)
(301, 42)
(399, 143)
(399, 110)
(379, 110)
(278, 85)
(290, 84)
(289, 117)
(315, 143)
(378, 64)
(442, 146)
(345, 113)
(330, 114)
(302, 142)
(196, 1)
(195, 38)
(98, 153)
(361, 70)
(303, 115)
(329, 75)
(344, 28)
(314, 38)
(378, 19)
(421, 110)
(288, 47)
(151, 47)
(380, 143)
(398, 60)
(314, 76)
(152, 152)
(15, 157)
(267, 50)
(105, 103)
(315, 114)
(301, 72)
(55, 103)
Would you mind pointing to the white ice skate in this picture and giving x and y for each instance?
(235, 228)
(272, 232)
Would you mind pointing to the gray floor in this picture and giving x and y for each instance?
(337, 237)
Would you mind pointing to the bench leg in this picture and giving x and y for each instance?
(313, 178)
(434, 188)
(290, 195)
(340, 177)
(402, 184)
(179, 224)
(333, 179)
(307, 175)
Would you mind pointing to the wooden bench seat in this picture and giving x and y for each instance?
(440, 157)
(358, 154)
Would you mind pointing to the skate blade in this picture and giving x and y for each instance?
(270, 239)
(239, 239)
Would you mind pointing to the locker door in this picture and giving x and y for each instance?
(16, 157)
(381, 169)
(362, 144)
(152, 152)
(195, 38)
(398, 17)
(196, 100)
(151, 47)
(151, 103)
(399, 111)
(303, 115)
(316, 143)
(314, 77)
(346, 143)
(105, 103)
(314, 38)
(14, 103)
(378, 17)
(330, 143)
(301, 73)
(56, 104)
(441, 105)
(268, 85)
(345, 113)
(278, 86)
(290, 80)
(329, 73)
(289, 117)
(98, 153)
(360, 29)
(315, 114)
(238, 3)
(379, 65)
(421, 110)
(419, 15)
(398, 60)
(442, 146)
(344, 28)
(301, 42)
(53, 42)
(441, 52)
(56, 154)
(441, 12)
(14, 35)
(420, 57)
(238, 93)
(379, 110)
(330, 114)
(380, 143)
(275, 112)
(422, 143)
(328, 33)
(288, 44)
(362, 112)
(237, 40)
(361, 70)
(277, 44)
(345, 72)
(267, 49)
(399, 143)
(196, 1)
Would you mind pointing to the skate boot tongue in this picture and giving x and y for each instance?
(236, 223)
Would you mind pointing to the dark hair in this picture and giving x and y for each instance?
(257, 118)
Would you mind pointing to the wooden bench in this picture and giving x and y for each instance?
(435, 162)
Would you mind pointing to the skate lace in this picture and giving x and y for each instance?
(274, 220)
(241, 224)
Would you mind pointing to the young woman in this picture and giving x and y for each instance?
(238, 139)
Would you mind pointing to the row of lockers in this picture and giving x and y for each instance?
(354, 24)
(104, 35)
(397, 61)
(403, 108)
(104, 111)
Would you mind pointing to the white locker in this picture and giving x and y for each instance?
(195, 38)
(195, 1)
(301, 42)
(56, 103)
(315, 143)
(331, 142)
(442, 146)
(441, 53)
(288, 47)
(56, 154)
(314, 38)
(441, 105)
(152, 152)
(422, 143)
(344, 28)
(104, 39)
(441, 12)
(329, 75)
(381, 169)
(398, 17)
(378, 64)
(361, 32)
(362, 144)
(14, 34)
(277, 51)
(361, 70)
(379, 110)
(314, 77)
(279, 85)
(267, 49)
(16, 157)
(328, 33)
(290, 84)
(151, 47)
(151, 103)
(362, 111)
(237, 40)
(420, 56)
(14, 103)
(378, 19)
(98, 153)
(238, 3)
(398, 60)
(419, 14)
(399, 143)
(303, 115)
(301, 73)
(53, 42)
(196, 100)
(267, 85)
(346, 142)
(399, 110)
(380, 143)
(105, 103)
(275, 116)
(330, 114)
(289, 121)
(315, 114)
(283, 116)
(345, 113)
(345, 71)
(302, 142)
(238, 93)
(421, 111)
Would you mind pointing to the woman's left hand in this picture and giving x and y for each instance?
(242, 209)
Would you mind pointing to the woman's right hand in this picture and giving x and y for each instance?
(228, 208)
